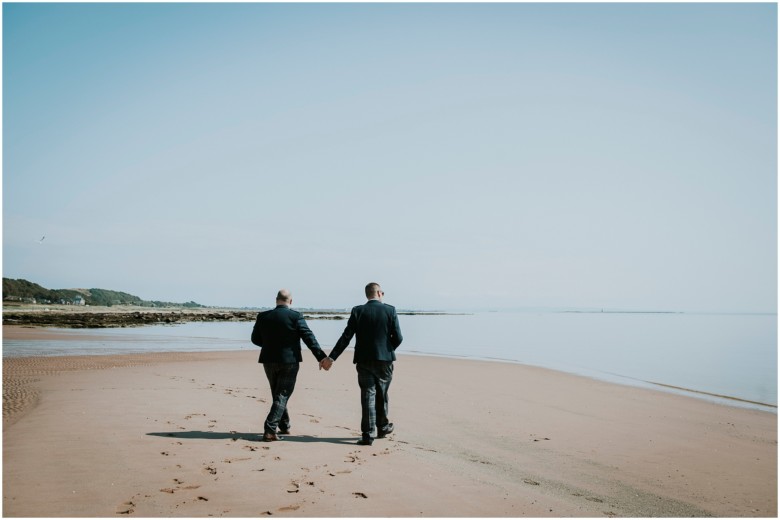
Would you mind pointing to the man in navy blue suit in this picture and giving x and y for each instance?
(378, 335)
(279, 332)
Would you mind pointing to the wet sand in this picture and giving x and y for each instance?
(177, 434)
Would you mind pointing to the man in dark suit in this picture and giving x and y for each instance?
(279, 333)
(378, 335)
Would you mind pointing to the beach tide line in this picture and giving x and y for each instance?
(729, 397)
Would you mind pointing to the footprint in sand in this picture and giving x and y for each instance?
(179, 485)
(293, 507)
(352, 458)
(231, 461)
(126, 509)
(358, 494)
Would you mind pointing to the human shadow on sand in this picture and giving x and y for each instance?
(253, 437)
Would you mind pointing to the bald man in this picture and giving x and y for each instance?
(279, 333)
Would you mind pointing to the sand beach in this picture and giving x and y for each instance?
(178, 434)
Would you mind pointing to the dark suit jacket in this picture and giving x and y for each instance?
(279, 332)
(378, 333)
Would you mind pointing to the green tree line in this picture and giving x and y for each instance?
(22, 290)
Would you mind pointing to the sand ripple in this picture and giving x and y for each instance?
(21, 375)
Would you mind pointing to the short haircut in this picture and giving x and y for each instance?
(372, 289)
(283, 295)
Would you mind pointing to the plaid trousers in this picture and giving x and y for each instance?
(282, 377)
(374, 378)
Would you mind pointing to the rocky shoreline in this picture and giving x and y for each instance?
(107, 317)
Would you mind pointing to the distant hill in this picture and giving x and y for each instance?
(24, 291)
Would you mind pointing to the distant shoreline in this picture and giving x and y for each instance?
(118, 316)
(94, 317)
(623, 312)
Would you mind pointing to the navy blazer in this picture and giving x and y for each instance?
(378, 333)
(279, 332)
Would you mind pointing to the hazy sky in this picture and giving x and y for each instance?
(462, 155)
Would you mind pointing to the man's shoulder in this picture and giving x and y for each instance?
(375, 305)
(289, 312)
(279, 311)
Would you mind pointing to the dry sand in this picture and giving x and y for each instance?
(177, 435)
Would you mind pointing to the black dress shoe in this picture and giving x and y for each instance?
(387, 431)
(285, 431)
(366, 441)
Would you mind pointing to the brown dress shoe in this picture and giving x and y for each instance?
(269, 437)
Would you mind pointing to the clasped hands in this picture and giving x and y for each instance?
(326, 363)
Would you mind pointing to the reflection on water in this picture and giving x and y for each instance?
(729, 355)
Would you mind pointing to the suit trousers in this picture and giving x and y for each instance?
(281, 377)
(374, 378)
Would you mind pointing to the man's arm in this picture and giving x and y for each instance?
(346, 337)
(395, 333)
(257, 338)
(308, 337)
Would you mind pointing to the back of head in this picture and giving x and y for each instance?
(372, 290)
(283, 297)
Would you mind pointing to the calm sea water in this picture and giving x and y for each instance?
(732, 355)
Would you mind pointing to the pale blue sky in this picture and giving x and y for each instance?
(462, 155)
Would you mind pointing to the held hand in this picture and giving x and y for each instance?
(326, 363)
